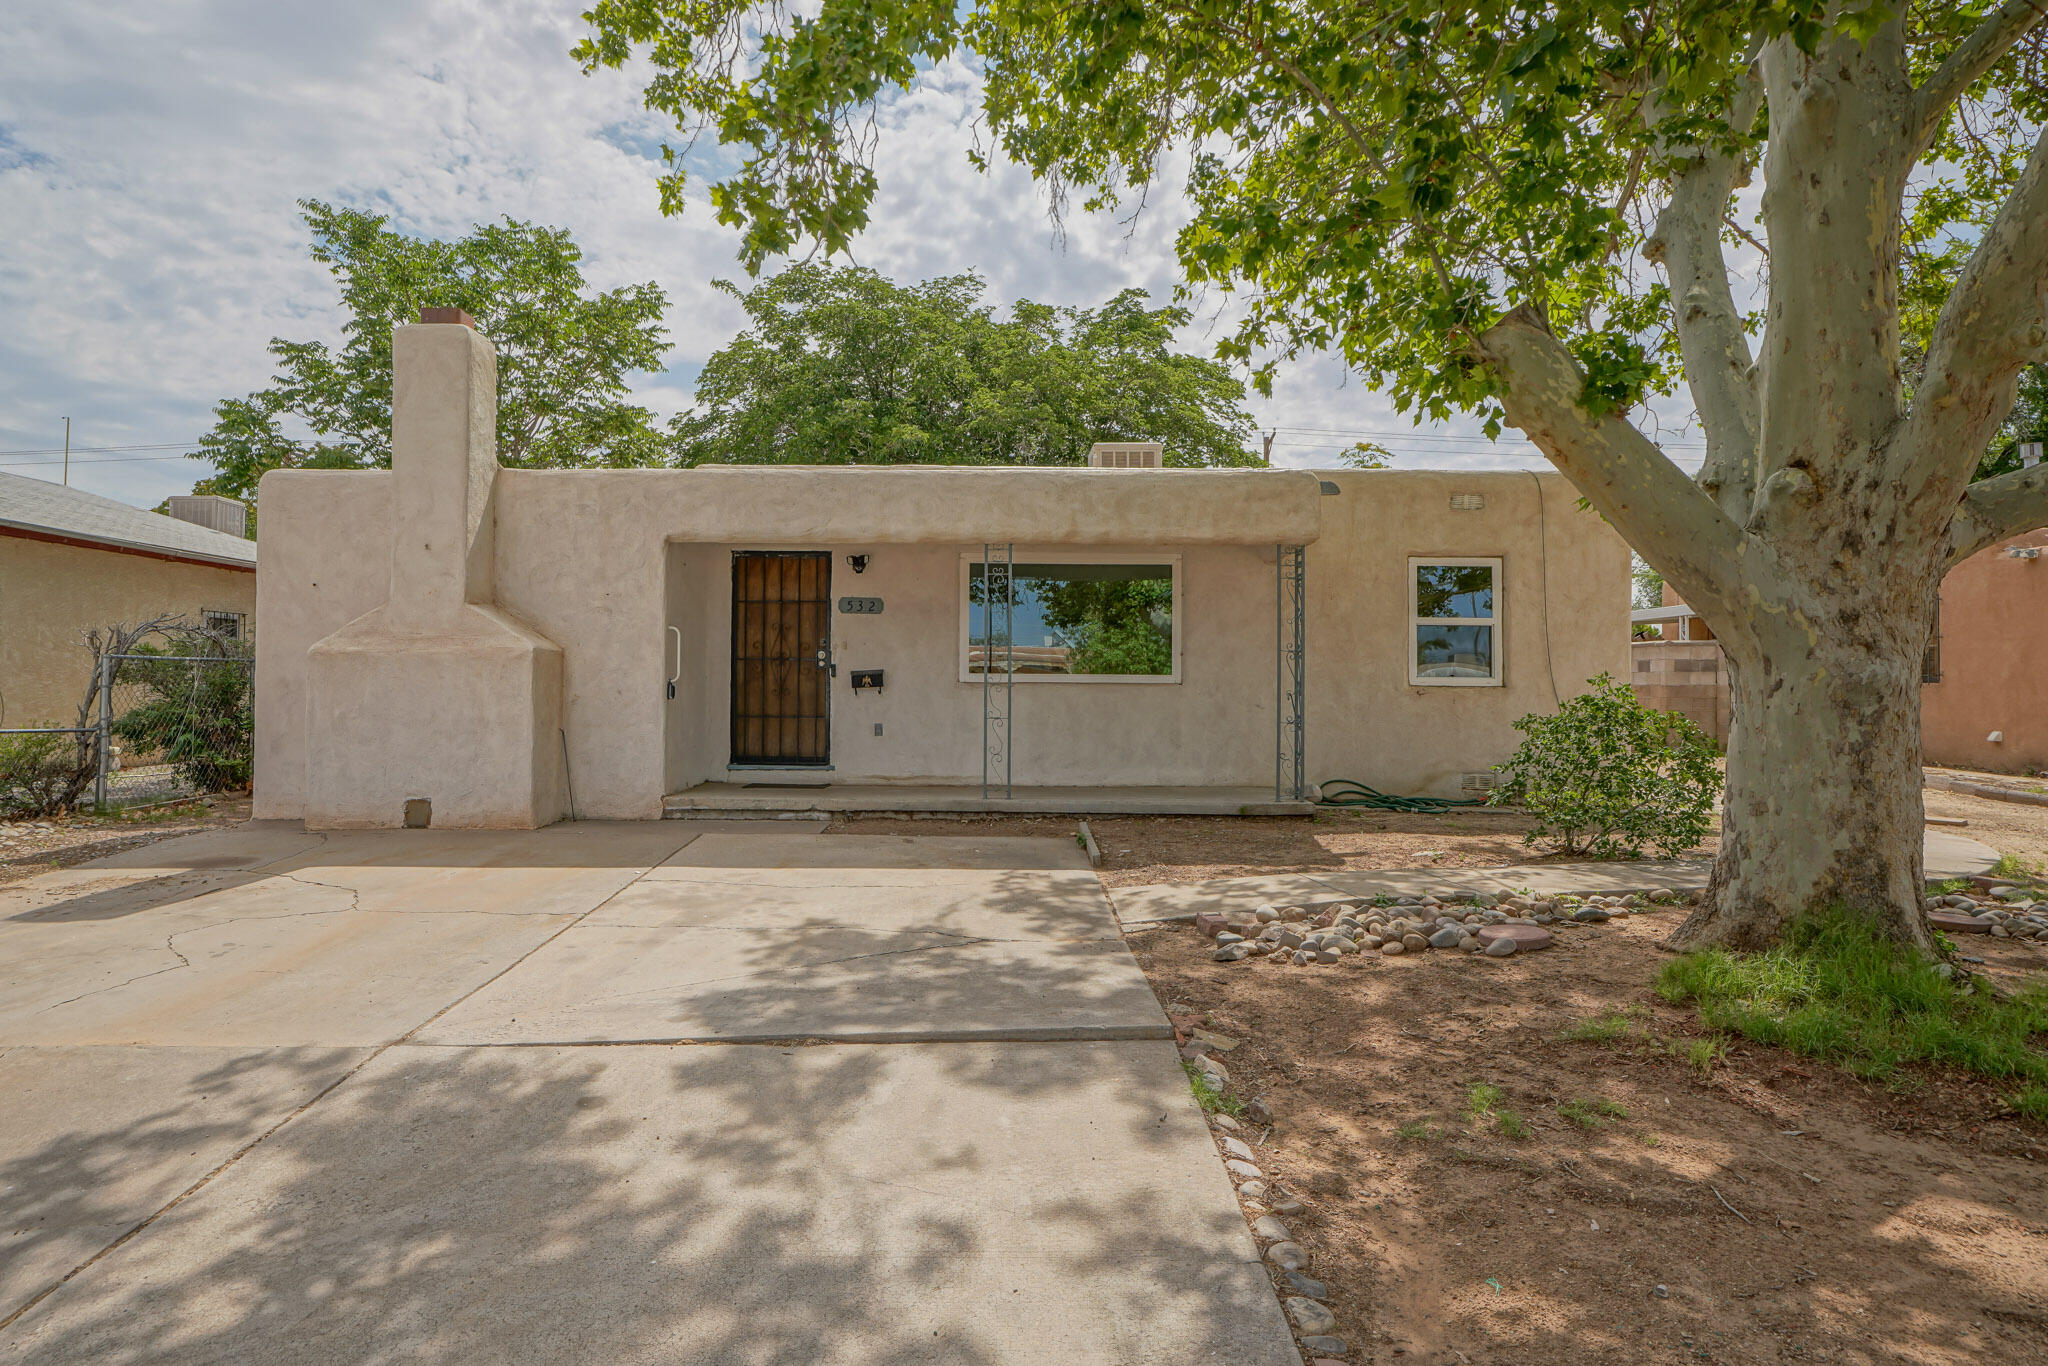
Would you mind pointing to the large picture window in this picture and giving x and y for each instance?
(1454, 635)
(1079, 621)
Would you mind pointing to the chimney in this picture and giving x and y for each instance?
(212, 511)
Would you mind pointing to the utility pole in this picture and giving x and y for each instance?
(1269, 443)
(67, 452)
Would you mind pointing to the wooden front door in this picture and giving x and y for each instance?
(781, 646)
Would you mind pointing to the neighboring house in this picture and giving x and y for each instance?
(1681, 668)
(71, 561)
(1984, 694)
(1985, 703)
(452, 643)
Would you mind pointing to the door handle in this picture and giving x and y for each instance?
(676, 672)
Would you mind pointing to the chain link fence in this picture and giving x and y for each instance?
(173, 726)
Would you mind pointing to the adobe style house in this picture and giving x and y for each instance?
(1984, 678)
(1984, 703)
(452, 643)
(71, 561)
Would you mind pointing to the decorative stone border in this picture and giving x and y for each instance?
(1475, 922)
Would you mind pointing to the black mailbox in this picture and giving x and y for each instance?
(867, 678)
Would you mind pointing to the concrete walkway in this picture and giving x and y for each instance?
(610, 1094)
(1947, 856)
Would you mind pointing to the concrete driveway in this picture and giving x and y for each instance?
(669, 1093)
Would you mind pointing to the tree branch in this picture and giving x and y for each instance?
(1997, 508)
(1649, 500)
(1994, 323)
(1712, 341)
(1973, 57)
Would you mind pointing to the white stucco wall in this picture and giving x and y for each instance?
(602, 562)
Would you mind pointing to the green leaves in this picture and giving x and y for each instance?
(841, 366)
(1607, 777)
(563, 354)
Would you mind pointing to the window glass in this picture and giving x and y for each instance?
(1454, 590)
(1456, 614)
(1454, 651)
(1097, 620)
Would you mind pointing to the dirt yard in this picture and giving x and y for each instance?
(1860, 1224)
(37, 846)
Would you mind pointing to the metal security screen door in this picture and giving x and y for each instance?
(781, 657)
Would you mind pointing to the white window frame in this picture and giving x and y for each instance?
(1416, 620)
(1025, 555)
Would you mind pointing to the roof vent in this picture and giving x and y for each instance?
(1126, 455)
(212, 511)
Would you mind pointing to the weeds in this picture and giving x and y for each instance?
(1592, 1114)
(1606, 1027)
(2017, 869)
(1707, 1054)
(1836, 990)
(1483, 1102)
(1416, 1131)
(1212, 1101)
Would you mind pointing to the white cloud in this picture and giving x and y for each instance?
(152, 156)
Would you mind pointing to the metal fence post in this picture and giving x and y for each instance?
(99, 783)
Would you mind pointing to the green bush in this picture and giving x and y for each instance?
(199, 718)
(1606, 776)
(38, 774)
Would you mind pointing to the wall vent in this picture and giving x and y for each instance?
(212, 511)
(1468, 502)
(1479, 782)
(1127, 455)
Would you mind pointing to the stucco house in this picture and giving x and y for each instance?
(452, 643)
(71, 561)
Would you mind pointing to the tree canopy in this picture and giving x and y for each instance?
(563, 354)
(1523, 211)
(841, 366)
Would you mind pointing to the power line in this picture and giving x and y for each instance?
(75, 450)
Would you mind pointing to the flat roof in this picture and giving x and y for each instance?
(39, 508)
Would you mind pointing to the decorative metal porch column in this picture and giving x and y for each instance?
(1290, 715)
(998, 665)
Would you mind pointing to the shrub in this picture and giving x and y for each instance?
(1606, 776)
(199, 718)
(40, 774)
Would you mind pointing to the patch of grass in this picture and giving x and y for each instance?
(1483, 1102)
(2016, 868)
(1838, 991)
(1952, 886)
(1592, 1114)
(1212, 1101)
(1706, 1054)
(1606, 1027)
(1416, 1131)
(1651, 1141)
(2031, 1102)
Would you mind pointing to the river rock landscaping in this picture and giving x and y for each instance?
(1470, 922)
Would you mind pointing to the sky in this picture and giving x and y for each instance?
(152, 156)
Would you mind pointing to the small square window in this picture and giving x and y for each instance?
(226, 625)
(1454, 622)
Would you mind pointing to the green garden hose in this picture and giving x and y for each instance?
(1350, 793)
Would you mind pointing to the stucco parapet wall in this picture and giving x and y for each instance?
(921, 504)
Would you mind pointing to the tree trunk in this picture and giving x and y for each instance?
(1823, 804)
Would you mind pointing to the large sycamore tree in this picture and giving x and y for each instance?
(1534, 213)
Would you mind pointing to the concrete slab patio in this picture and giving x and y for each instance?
(261, 1108)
